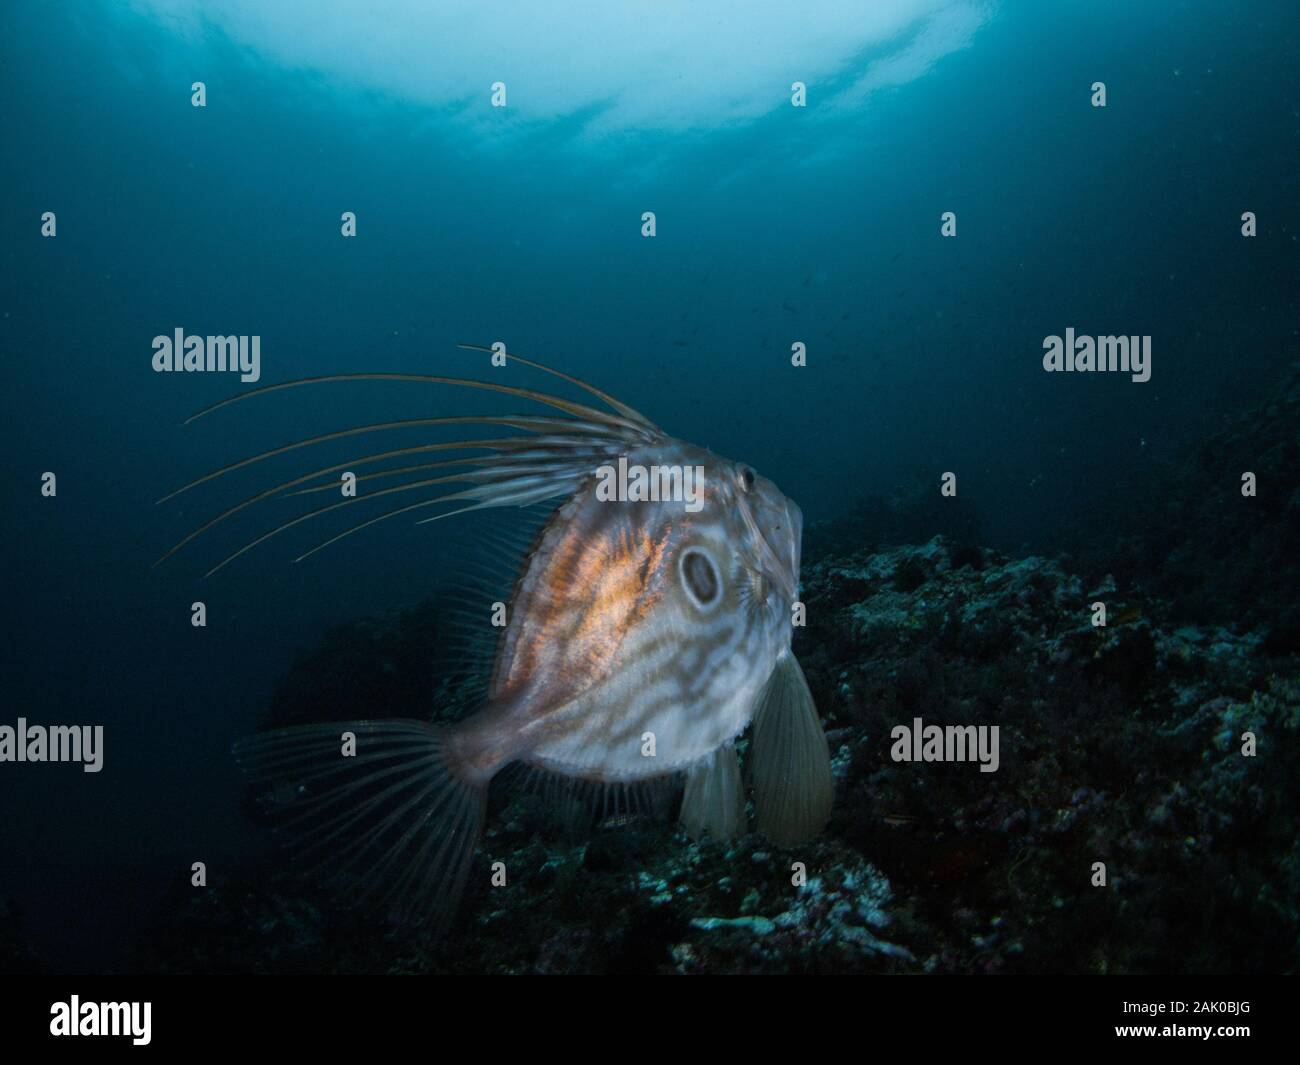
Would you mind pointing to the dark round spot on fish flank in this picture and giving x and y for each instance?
(700, 575)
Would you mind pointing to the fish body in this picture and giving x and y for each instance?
(639, 619)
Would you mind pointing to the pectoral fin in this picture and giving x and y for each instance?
(714, 801)
(790, 761)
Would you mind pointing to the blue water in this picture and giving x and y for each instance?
(775, 224)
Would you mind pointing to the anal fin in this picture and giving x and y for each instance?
(714, 800)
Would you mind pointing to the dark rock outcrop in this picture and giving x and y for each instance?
(1119, 744)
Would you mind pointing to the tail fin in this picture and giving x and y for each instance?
(373, 808)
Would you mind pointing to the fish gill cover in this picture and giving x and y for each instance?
(650, 487)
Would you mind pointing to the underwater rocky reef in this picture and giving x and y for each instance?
(1184, 530)
(1119, 744)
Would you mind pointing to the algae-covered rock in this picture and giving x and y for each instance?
(1120, 744)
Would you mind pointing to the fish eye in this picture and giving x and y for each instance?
(700, 577)
(746, 478)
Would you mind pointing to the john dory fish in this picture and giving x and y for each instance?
(643, 637)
